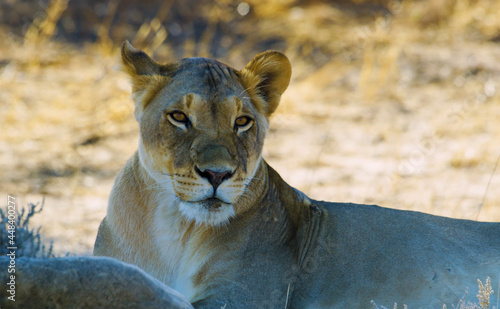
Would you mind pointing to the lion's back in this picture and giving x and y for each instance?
(397, 256)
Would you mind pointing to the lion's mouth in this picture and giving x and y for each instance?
(211, 211)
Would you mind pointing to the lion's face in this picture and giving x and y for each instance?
(202, 127)
(202, 141)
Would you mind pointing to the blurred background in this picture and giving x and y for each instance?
(394, 103)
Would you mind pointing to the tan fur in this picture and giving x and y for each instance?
(253, 241)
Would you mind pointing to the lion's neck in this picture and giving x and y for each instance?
(185, 246)
(180, 259)
(266, 211)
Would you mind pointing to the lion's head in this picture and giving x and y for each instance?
(202, 127)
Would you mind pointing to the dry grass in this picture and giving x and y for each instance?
(484, 293)
(397, 106)
(26, 238)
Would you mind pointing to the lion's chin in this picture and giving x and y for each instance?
(212, 204)
(211, 211)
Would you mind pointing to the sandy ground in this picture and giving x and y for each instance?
(425, 136)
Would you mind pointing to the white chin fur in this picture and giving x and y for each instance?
(201, 215)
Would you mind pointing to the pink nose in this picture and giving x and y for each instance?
(215, 178)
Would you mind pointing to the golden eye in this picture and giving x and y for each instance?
(242, 121)
(179, 117)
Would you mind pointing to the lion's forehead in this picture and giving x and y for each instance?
(207, 90)
(208, 76)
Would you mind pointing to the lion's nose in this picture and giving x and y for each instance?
(215, 178)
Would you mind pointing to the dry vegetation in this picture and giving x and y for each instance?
(485, 291)
(392, 103)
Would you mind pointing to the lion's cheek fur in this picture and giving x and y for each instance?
(158, 166)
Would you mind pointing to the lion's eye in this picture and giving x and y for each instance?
(179, 117)
(242, 121)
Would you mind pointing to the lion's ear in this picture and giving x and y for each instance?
(147, 76)
(267, 76)
(136, 62)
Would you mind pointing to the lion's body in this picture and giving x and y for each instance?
(366, 252)
(198, 208)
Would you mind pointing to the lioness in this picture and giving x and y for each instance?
(198, 208)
